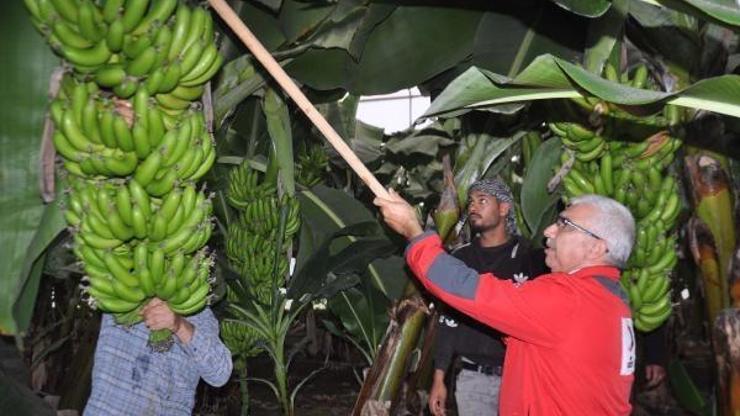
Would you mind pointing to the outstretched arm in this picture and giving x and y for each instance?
(399, 215)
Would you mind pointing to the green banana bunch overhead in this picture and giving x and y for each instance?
(605, 159)
(164, 46)
(134, 144)
(133, 246)
(251, 246)
(311, 165)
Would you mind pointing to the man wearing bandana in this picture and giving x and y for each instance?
(495, 248)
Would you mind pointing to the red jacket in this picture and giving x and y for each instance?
(570, 345)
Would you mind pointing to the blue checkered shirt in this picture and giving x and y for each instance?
(129, 379)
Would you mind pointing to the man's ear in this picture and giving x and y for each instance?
(503, 208)
(600, 248)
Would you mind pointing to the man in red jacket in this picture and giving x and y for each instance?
(570, 340)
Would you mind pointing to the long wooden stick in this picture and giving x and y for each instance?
(282, 78)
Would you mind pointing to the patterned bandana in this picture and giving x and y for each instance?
(499, 190)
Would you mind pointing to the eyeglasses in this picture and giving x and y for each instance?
(562, 221)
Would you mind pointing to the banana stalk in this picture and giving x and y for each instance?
(710, 189)
(380, 390)
(704, 251)
(726, 338)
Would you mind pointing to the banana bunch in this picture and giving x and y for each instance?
(252, 249)
(244, 187)
(241, 338)
(262, 216)
(95, 139)
(163, 45)
(311, 166)
(134, 145)
(585, 143)
(123, 238)
(635, 173)
(184, 153)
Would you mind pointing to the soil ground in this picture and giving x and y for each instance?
(330, 392)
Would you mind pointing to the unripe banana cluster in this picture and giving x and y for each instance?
(635, 174)
(163, 45)
(312, 163)
(134, 246)
(251, 246)
(133, 141)
(102, 136)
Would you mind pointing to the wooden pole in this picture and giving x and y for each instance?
(284, 80)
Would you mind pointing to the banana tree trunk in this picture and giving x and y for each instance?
(704, 250)
(710, 189)
(420, 378)
(726, 337)
(380, 391)
(388, 371)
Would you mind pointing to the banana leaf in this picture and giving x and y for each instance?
(587, 8)
(298, 18)
(512, 34)
(330, 270)
(537, 204)
(324, 211)
(477, 159)
(668, 33)
(392, 57)
(16, 398)
(549, 77)
(363, 311)
(27, 225)
(603, 34)
(723, 11)
(278, 125)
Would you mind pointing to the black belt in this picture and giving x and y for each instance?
(488, 370)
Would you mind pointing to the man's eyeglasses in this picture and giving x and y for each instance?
(562, 221)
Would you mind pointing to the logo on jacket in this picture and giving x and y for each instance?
(520, 278)
(443, 319)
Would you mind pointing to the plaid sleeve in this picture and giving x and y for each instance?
(209, 354)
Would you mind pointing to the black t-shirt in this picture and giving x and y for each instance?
(458, 334)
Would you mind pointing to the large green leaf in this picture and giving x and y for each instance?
(549, 77)
(339, 28)
(278, 124)
(412, 44)
(298, 19)
(330, 269)
(603, 35)
(724, 11)
(363, 311)
(24, 82)
(672, 35)
(512, 34)
(474, 162)
(536, 202)
(239, 79)
(325, 211)
(587, 8)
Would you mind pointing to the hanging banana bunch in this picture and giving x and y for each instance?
(251, 247)
(133, 142)
(311, 165)
(605, 159)
(163, 45)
